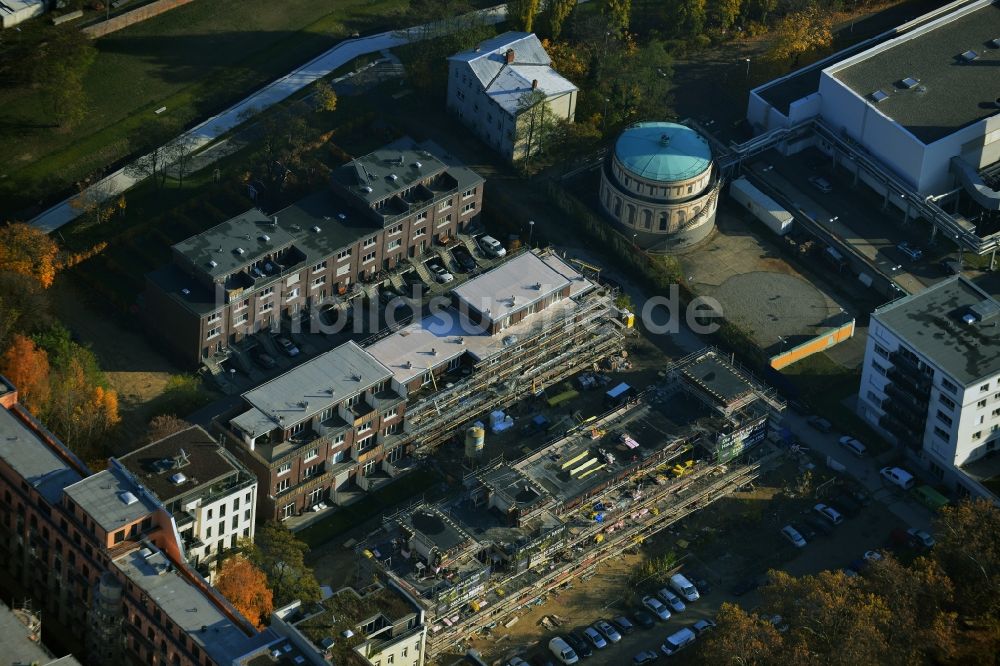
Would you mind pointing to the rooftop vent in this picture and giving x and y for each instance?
(409, 365)
(995, 43)
(969, 318)
(240, 250)
(968, 56)
(368, 189)
(393, 177)
(664, 139)
(265, 237)
(145, 552)
(879, 96)
(186, 292)
(908, 83)
(212, 263)
(317, 230)
(178, 478)
(417, 165)
(341, 216)
(538, 286)
(509, 56)
(434, 351)
(985, 310)
(219, 250)
(347, 633)
(127, 498)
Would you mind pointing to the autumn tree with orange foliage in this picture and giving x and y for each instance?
(27, 367)
(28, 251)
(245, 586)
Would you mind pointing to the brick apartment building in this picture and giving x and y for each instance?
(253, 271)
(309, 432)
(101, 559)
(347, 421)
(211, 495)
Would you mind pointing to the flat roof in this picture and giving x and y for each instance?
(18, 648)
(949, 92)
(32, 458)
(192, 453)
(310, 388)
(514, 285)
(111, 499)
(435, 527)
(713, 375)
(931, 323)
(187, 606)
(663, 152)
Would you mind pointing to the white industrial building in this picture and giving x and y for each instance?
(915, 113)
(211, 496)
(13, 12)
(931, 381)
(490, 87)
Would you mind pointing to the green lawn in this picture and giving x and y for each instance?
(195, 60)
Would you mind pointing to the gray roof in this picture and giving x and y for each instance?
(187, 607)
(19, 649)
(102, 497)
(506, 83)
(516, 284)
(950, 93)
(32, 458)
(712, 374)
(310, 388)
(401, 159)
(931, 323)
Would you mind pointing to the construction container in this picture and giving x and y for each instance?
(763, 207)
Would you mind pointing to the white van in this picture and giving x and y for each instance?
(678, 641)
(492, 247)
(561, 650)
(684, 587)
(897, 475)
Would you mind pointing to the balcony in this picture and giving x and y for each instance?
(905, 368)
(370, 454)
(901, 393)
(399, 467)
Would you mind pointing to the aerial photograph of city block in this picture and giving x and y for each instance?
(441, 332)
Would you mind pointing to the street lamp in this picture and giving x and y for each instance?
(531, 230)
(604, 118)
(634, 244)
(748, 68)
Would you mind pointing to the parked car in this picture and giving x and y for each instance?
(793, 536)
(608, 631)
(873, 556)
(818, 524)
(386, 294)
(623, 625)
(701, 626)
(949, 267)
(677, 641)
(440, 273)
(263, 359)
(744, 586)
(579, 644)
(656, 607)
(821, 184)
(563, 651)
(920, 537)
(645, 657)
(671, 600)
(492, 247)
(897, 476)
(829, 513)
(911, 252)
(684, 587)
(853, 445)
(287, 346)
(818, 423)
(543, 660)
(517, 661)
(595, 638)
(464, 260)
(643, 619)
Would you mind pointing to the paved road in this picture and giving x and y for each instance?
(200, 136)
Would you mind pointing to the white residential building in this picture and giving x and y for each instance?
(931, 381)
(489, 89)
(211, 495)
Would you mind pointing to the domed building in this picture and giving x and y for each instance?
(660, 184)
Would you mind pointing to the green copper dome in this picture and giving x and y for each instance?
(663, 151)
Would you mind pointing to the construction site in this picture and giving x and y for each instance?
(519, 529)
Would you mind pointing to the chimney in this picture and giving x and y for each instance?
(534, 84)
(509, 56)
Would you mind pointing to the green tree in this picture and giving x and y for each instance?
(325, 96)
(618, 14)
(968, 549)
(281, 556)
(63, 58)
(799, 33)
(724, 13)
(558, 12)
(24, 306)
(521, 14)
(536, 127)
(741, 639)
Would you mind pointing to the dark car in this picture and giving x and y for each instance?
(263, 359)
(807, 532)
(847, 505)
(744, 586)
(542, 660)
(643, 619)
(819, 423)
(948, 267)
(818, 524)
(579, 644)
(623, 624)
(463, 258)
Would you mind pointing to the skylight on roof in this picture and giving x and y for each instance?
(910, 82)
(879, 96)
(968, 56)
